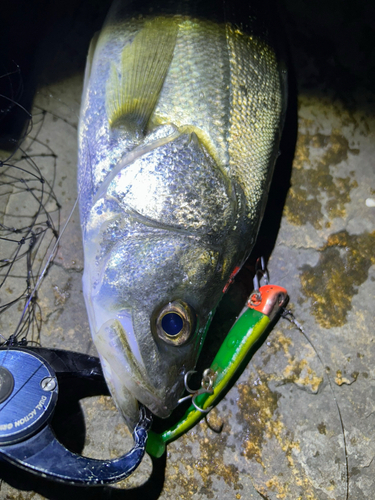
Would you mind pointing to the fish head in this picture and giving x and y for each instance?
(161, 241)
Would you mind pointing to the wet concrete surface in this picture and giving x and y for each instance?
(281, 437)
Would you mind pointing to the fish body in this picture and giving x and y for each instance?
(181, 116)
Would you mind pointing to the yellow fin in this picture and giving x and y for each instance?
(132, 91)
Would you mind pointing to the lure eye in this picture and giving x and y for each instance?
(175, 322)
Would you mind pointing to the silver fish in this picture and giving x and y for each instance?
(181, 117)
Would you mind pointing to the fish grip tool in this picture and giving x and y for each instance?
(29, 386)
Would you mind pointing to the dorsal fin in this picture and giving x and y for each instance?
(133, 89)
(90, 57)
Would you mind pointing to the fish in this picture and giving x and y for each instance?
(182, 112)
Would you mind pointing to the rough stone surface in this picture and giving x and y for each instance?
(282, 437)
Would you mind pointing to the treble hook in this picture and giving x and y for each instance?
(260, 268)
(206, 388)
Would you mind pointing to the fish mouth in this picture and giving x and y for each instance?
(127, 376)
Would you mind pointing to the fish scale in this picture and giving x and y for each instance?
(255, 116)
(196, 89)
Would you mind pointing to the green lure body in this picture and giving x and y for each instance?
(245, 333)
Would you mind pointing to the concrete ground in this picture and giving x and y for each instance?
(281, 437)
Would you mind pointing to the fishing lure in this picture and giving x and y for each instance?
(263, 306)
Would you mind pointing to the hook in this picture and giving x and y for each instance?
(260, 269)
(206, 388)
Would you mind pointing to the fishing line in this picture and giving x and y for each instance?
(289, 316)
(19, 177)
(52, 254)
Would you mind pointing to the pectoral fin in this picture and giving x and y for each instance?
(133, 88)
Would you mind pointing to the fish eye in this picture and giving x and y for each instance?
(175, 322)
(172, 324)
